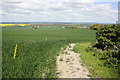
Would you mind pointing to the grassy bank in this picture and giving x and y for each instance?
(95, 66)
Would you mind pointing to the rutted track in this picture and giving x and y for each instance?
(69, 64)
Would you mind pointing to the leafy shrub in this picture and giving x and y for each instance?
(95, 27)
(108, 40)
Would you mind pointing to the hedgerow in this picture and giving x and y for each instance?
(108, 40)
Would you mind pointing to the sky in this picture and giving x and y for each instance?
(102, 11)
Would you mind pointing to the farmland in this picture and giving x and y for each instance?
(37, 49)
(5, 25)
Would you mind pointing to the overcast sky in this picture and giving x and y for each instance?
(103, 11)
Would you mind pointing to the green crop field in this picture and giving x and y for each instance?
(37, 49)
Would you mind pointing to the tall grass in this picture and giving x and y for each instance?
(33, 59)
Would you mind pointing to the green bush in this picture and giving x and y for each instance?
(108, 40)
(95, 27)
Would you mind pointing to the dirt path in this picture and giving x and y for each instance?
(69, 64)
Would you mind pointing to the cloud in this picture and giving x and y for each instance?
(39, 1)
(58, 10)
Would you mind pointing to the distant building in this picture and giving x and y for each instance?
(63, 27)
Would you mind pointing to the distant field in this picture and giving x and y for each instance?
(55, 33)
(13, 25)
(48, 24)
(37, 49)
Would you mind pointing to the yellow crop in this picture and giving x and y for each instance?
(3, 25)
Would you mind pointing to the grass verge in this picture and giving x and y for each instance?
(95, 66)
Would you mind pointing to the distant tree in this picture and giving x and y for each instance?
(95, 27)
